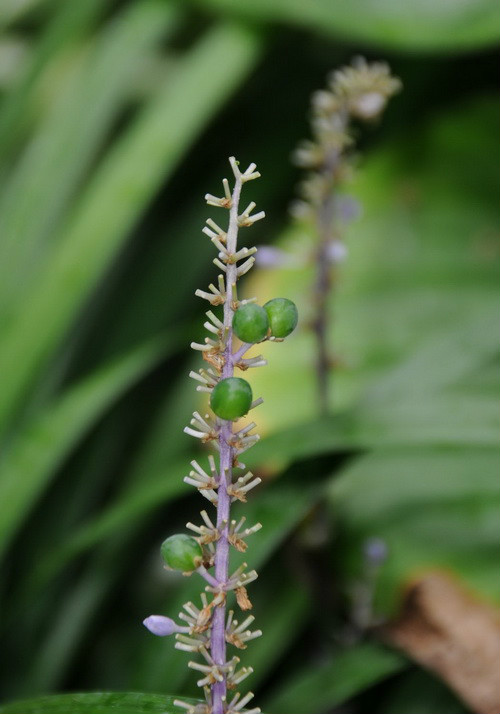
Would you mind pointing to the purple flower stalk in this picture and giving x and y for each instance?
(209, 628)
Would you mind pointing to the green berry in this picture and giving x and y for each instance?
(250, 323)
(181, 552)
(231, 398)
(283, 316)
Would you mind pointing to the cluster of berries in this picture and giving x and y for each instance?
(231, 398)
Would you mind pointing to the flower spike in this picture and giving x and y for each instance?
(206, 630)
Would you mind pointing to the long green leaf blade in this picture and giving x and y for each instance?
(67, 141)
(328, 684)
(45, 441)
(423, 26)
(95, 703)
(116, 198)
(70, 22)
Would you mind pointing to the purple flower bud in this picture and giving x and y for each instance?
(375, 551)
(336, 252)
(268, 256)
(348, 208)
(159, 625)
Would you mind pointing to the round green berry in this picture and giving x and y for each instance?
(250, 323)
(283, 316)
(181, 552)
(231, 398)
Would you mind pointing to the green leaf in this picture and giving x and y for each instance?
(126, 512)
(417, 691)
(112, 204)
(281, 612)
(423, 26)
(95, 703)
(328, 684)
(79, 119)
(433, 422)
(69, 23)
(154, 478)
(436, 508)
(13, 10)
(45, 440)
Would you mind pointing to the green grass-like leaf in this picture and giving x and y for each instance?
(68, 24)
(116, 197)
(66, 140)
(44, 441)
(327, 684)
(95, 703)
(391, 23)
(435, 507)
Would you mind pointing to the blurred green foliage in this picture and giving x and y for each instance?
(115, 119)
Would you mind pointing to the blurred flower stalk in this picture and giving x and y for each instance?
(357, 92)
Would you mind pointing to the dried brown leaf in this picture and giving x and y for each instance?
(454, 635)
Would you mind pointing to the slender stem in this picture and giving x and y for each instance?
(207, 576)
(322, 291)
(325, 217)
(218, 636)
(242, 350)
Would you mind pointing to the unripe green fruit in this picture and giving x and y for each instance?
(181, 552)
(250, 323)
(283, 316)
(231, 398)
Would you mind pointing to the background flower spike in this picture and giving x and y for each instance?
(359, 92)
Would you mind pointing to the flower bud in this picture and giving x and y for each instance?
(375, 551)
(159, 625)
(336, 252)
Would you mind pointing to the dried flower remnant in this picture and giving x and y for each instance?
(360, 92)
(207, 629)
